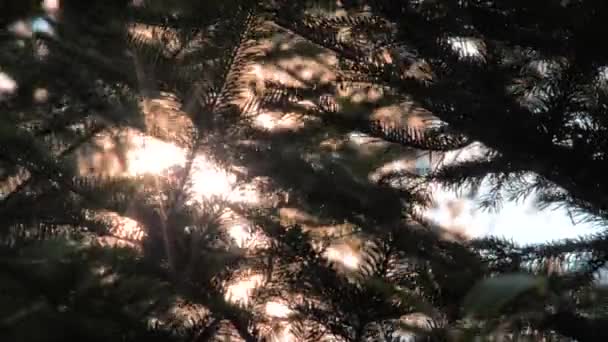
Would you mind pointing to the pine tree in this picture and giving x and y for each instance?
(529, 88)
(96, 249)
(68, 89)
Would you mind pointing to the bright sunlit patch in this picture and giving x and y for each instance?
(209, 180)
(26, 28)
(256, 71)
(8, 85)
(50, 5)
(266, 121)
(122, 227)
(350, 260)
(306, 74)
(343, 255)
(273, 121)
(40, 95)
(406, 112)
(294, 70)
(522, 221)
(240, 291)
(128, 153)
(152, 156)
(241, 234)
(277, 310)
(238, 228)
(242, 231)
(20, 28)
(358, 93)
(143, 32)
(291, 216)
(132, 154)
(468, 48)
(123, 231)
(453, 214)
(366, 145)
(392, 113)
(393, 166)
(154, 33)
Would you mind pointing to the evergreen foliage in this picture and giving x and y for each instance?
(92, 250)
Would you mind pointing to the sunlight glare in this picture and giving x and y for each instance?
(50, 5)
(148, 155)
(152, 156)
(458, 214)
(240, 234)
(468, 48)
(242, 231)
(265, 121)
(209, 180)
(241, 291)
(277, 310)
(122, 227)
(8, 86)
(344, 255)
(275, 121)
(40, 95)
(393, 166)
(306, 74)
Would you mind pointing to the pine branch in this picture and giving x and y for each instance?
(531, 142)
(27, 181)
(433, 139)
(575, 261)
(224, 86)
(111, 67)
